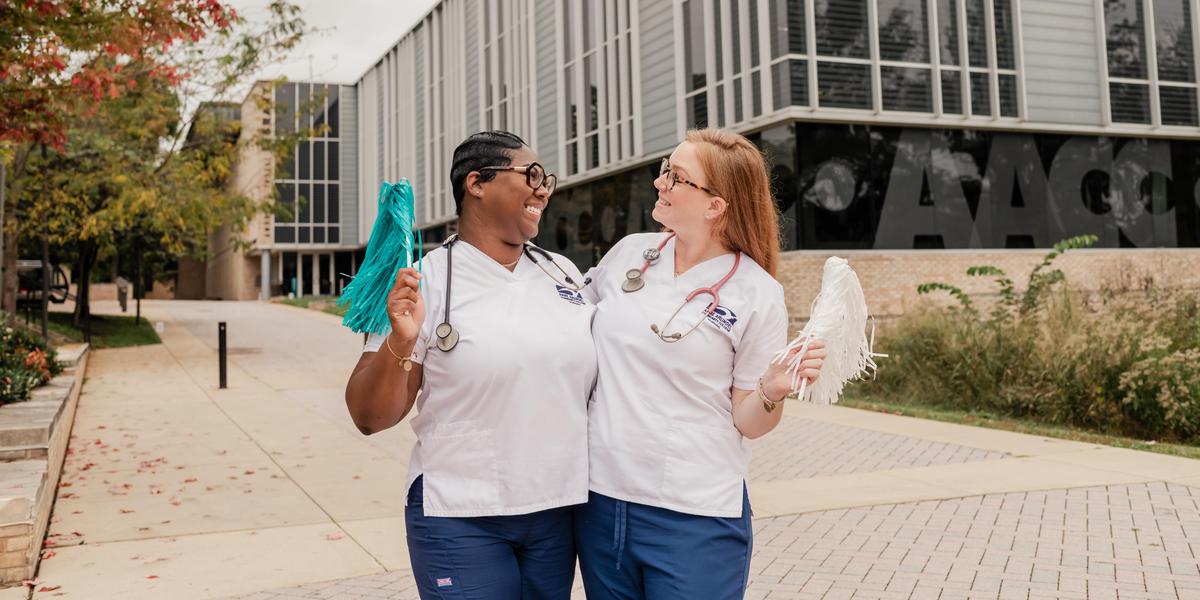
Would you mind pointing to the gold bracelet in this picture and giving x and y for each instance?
(768, 404)
(404, 362)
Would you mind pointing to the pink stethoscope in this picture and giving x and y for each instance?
(635, 280)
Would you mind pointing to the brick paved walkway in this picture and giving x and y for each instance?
(803, 448)
(1129, 542)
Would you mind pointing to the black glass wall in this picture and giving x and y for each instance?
(307, 182)
(856, 186)
(865, 187)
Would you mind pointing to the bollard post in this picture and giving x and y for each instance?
(221, 350)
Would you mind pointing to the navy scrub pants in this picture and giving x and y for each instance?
(630, 551)
(521, 557)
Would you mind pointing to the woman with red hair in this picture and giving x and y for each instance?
(687, 321)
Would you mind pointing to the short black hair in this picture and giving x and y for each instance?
(484, 149)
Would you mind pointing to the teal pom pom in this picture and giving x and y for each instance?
(389, 250)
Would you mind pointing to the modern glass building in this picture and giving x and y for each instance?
(889, 124)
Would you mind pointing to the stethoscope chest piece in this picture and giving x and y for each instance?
(447, 337)
(651, 255)
(633, 280)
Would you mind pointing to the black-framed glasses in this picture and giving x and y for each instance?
(673, 178)
(535, 176)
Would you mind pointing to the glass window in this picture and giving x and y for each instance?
(334, 165)
(952, 92)
(789, 81)
(1130, 102)
(906, 89)
(333, 235)
(753, 18)
(1173, 40)
(304, 160)
(977, 33)
(334, 204)
(735, 38)
(285, 234)
(285, 108)
(1008, 95)
(718, 47)
(318, 234)
(947, 16)
(318, 160)
(304, 202)
(981, 96)
(304, 232)
(844, 85)
(693, 42)
(1178, 105)
(318, 202)
(788, 28)
(697, 111)
(333, 117)
(1003, 18)
(842, 28)
(903, 35)
(756, 93)
(1126, 38)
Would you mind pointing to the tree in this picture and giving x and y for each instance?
(71, 65)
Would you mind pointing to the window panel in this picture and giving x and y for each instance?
(318, 203)
(335, 200)
(285, 234)
(842, 28)
(568, 30)
(789, 81)
(735, 36)
(788, 29)
(304, 107)
(1173, 40)
(981, 96)
(693, 43)
(903, 35)
(334, 165)
(1130, 102)
(318, 234)
(844, 85)
(334, 235)
(333, 115)
(738, 108)
(1002, 13)
(285, 108)
(592, 91)
(716, 17)
(318, 160)
(1178, 105)
(1126, 38)
(756, 93)
(718, 118)
(304, 202)
(593, 147)
(906, 89)
(305, 169)
(287, 199)
(304, 233)
(753, 18)
(572, 158)
(976, 33)
(697, 111)
(947, 15)
(1008, 95)
(952, 92)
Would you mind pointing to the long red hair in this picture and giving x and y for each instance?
(736, 169)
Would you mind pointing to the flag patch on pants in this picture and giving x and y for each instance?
(444, 582)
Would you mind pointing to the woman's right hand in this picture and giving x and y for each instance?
(406, 308)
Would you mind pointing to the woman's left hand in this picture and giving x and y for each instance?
(777, 382)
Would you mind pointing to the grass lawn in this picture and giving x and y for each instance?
(323, 303)
(107, 331)
(984, 419)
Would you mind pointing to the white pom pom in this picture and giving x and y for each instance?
(839, 317)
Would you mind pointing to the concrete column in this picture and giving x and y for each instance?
(265, 276)
(332, 275)
(317, 274)
(299, 275)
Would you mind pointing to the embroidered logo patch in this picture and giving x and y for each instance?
(569, 294)
(444, 582)
(723, 318)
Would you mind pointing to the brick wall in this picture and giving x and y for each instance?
(890, 278)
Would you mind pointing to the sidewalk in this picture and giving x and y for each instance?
(265, 490)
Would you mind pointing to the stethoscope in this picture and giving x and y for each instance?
(635, 280)
(447, 336)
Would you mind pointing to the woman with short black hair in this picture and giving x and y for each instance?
(497, 340)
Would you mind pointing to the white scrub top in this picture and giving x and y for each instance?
(502, 418)
(660, 424)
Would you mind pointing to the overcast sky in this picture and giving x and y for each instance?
(352, 35)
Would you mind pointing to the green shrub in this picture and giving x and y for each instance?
(1125, 363)
(25, 363)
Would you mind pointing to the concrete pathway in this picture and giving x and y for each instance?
(177, 489)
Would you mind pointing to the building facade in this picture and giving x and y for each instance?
(977, 127)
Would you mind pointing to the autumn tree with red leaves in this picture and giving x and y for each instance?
(67, 65)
